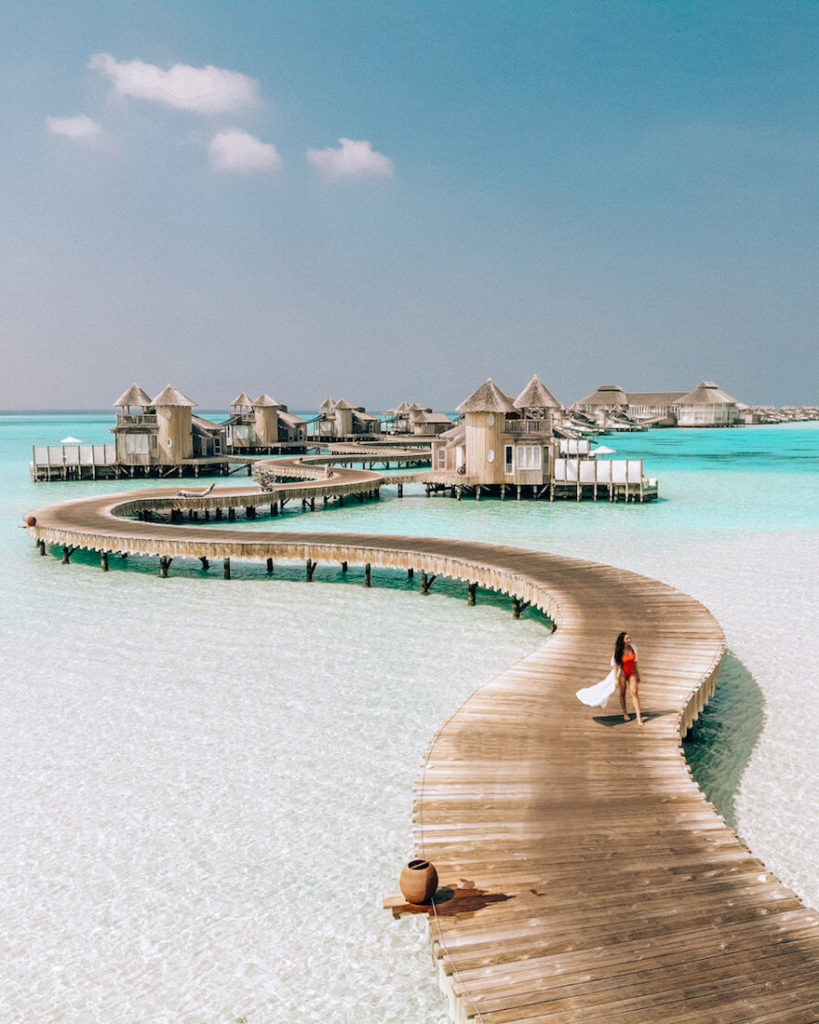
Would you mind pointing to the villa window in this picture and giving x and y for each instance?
(509, 459)
(530, 457)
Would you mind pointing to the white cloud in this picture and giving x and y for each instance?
(237, 152)
(80, 128)
(352, 160)
(207, 90)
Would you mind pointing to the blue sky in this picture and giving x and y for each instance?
(603, 192)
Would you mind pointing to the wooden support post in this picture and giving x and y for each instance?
(176, 515)
(67, 553)
(218, 514)
(400, 490)
(205, 562)
(458, 492)
(226, 568)
(340, 500)
(503, 492)
(472, 589)
(270, 565)
(104, 561)
(360, 498)
(517, 495)
(368, 575)
(311, 568)
(478, 492)
(274, 508)
(519, 606)
(344, 567)
(231, 513)
(427, 581)
(207, 513)
(164, 565)
(325, 501)
(250, 512)
(410, 573)
(41, 544)
(124, 555)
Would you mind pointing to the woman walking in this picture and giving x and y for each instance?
(624, 674)
(628, 674)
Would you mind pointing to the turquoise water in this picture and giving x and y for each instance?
(207, 785)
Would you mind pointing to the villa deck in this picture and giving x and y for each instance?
(583, 875)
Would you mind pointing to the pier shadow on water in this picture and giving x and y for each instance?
(721, 742)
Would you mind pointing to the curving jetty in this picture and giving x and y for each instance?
(583, 875)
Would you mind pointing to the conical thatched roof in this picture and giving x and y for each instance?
(327, 405)
(133, 396)
(488, 398)
(606, 394)
(173, 396)
(708, 393)
(402, 409)
(242, 401)
(342, 403)
(266, 402)
(536, 396)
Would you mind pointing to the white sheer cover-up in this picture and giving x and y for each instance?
(598, 696)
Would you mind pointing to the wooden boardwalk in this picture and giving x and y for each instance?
(583, 875)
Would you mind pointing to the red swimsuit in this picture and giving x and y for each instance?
(628, 663)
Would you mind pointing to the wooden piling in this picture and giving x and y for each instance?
(226, 568)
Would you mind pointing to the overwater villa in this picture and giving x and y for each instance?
(340, 420)
(261, 426)
(162, 431)
(518, 447)
(418, 420)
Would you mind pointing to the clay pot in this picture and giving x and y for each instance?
(418, 881)
(31, 520)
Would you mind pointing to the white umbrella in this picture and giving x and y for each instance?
(603, 450)
(71, 440)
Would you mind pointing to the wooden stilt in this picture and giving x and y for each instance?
(344, 567)
(400, 490)
(164, 566)
(205, 562)
(368, 575)
(218, 514)
(478, 492)
(270, 565)
(519, 606)
(274, 509)
(250, 512)
(427, 581)
(472, 589)
(226, 568)
(42, 546)
(410, 573)
(231, 513)
(67, 553)
(104, 561)
(310, 566)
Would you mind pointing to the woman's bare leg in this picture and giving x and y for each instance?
(621, 686)
(632, 685)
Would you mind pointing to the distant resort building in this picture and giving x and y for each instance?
(707, 406)
(612, 408)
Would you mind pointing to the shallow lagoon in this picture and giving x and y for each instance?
(194, 769)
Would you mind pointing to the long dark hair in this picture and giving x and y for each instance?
(619, 647)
